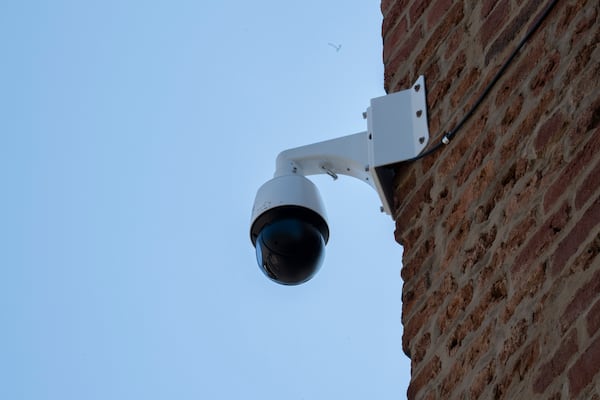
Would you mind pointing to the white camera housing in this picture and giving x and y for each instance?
(289, 225)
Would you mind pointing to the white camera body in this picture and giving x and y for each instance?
(289, 225)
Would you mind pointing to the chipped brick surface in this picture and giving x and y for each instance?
(501, 228)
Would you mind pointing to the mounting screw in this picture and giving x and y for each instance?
(364, 115)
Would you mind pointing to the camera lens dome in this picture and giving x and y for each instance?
(290, 250)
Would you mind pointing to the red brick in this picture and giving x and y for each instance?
(548, 130)
(513, 110)
(416, 322)
(497, 18)
(545, 74)
(593, 319)
(582, 373)
(527, 287)
(486, 7)
(514, 77)
(590, 186)
(453, 17)
(403, 44)
(416, 10)
(390, 17)
(576, 236)
(463, 92)
(557, 364)
(518, 235)
(542, 238)
(455, 374)
(457, 304)
(586, 294)
(527, 358)
(510, 32)
(567, 176)
(452, 43)
(398, 36)
(518, 336)
(414, 292)
(414, 259)
(437, 11)
(411, 209)
(567, 15)
(426, 375)
(480, 345)
(519, 183)
(483, 379)
(421, 348)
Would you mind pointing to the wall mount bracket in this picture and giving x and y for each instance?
(397, 131)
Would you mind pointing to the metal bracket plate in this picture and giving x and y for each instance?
(398, 131)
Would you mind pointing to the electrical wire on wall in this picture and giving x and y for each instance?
(448, 136)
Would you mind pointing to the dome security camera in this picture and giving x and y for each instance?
(289, 229)
(289, 226)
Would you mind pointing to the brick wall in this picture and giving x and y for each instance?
(501, 227)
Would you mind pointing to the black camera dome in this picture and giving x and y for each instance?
(290, 244)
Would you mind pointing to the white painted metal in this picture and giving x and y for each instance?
(397, 131)
(346, 155)
(288, 190)
(397, 124)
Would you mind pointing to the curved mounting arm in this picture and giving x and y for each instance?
(397, 131)
(347, 155)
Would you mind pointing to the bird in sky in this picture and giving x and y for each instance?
(337, 47)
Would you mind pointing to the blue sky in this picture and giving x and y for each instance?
(133, 138)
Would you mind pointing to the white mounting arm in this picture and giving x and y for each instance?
(397, 131)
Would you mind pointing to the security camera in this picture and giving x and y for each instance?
(289, 226)
(289, 229)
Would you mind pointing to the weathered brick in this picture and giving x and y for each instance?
(509, 33)
(548, 130)
(567, 176)
(581, 301)
(589, 187)
(417, 9)
(582, 373)
(421, 347)
(545, 74)
(427, 374)
(483, 379)
(437, 11)
(528, 287)
(418, 258)
(413, 207)
(456, 373)
(453, 17)
(557, 364)
(457, 304)
(463, 92)
(481, 344)
(593, 318)
(576, 236)
(501, 227)
(498, 17)
(518, 336)
(526, 360)
(542, 238)
(417, 321)
(398, 35)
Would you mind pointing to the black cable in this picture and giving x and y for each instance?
(449, 135)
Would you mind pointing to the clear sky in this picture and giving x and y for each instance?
(133, 138)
